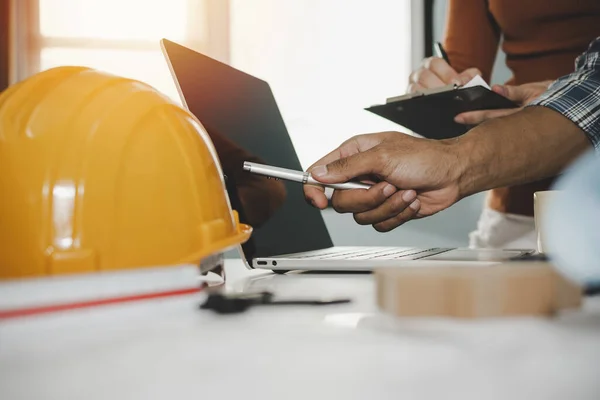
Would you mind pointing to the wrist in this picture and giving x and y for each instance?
(467, 169)
(527, 146)
(455, 153)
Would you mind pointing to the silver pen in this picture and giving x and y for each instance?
(297, 176)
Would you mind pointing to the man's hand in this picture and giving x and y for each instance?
(522, 95)
(435, 72)
(415, 178)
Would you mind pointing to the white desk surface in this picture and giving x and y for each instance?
(169, 349)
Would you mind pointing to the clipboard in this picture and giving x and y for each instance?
(431, 113)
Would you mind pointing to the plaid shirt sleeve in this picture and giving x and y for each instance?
(577, 95)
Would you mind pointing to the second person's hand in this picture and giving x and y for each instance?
(521, 95)
(436, 72)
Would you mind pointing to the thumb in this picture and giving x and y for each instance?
(344, 169)
(500, 89)
(518, 94)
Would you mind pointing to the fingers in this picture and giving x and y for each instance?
(522, 94)
(391, 207)
(500, 89)
(426, 79)
(329, 158)
(434, 72)
(354, 145)
(468, 74)
(518, 94)
(382, 206)
(334, 162)
(345, 169)
(358, 200)
(441, 69)
(392, 223)
(414, 87)
(477, 117)
(315, 195)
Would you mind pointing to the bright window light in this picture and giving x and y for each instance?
(326, 60)
(146, 66)
(118, 36)
(114, 19)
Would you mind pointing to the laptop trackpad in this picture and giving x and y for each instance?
(477, 255)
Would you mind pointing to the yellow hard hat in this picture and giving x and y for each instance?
(99, 172)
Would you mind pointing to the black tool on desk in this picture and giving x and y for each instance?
(531, 257)
(236, 303)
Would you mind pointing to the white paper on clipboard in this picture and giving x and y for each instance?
(476, 81)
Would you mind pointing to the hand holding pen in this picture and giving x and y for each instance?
(436, 72)
(297, 176)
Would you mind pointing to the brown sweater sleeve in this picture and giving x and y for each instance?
(471, 38)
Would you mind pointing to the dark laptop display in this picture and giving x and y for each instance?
(240, 114)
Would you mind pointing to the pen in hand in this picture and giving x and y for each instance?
(297, 176)
(440, 52)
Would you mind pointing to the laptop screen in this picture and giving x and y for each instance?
(241, 116)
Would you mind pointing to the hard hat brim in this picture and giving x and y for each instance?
(242, 235)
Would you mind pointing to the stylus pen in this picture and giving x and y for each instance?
(297, 176)
(440, 52)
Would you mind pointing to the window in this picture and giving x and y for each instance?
(118, 36)
(326, 60)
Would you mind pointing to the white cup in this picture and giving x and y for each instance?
(541, 201)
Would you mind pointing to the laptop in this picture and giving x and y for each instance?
(241, 115)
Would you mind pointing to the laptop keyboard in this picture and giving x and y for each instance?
(390, 253)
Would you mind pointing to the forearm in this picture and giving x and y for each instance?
(530, 145)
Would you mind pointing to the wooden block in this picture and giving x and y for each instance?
(510, 289)
(568, 294)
